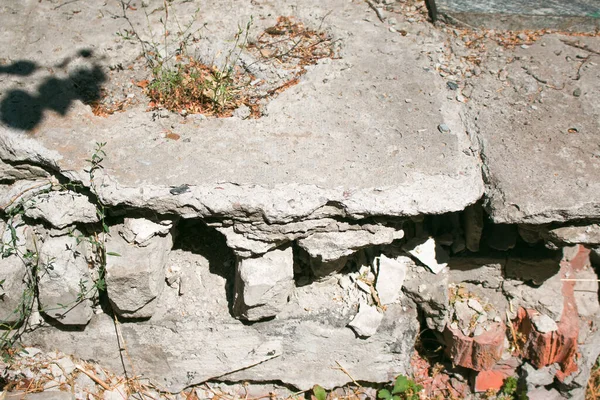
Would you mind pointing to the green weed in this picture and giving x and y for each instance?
(404, 389)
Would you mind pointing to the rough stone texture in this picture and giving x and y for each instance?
(428, 252)
(264, 284)
(430, 292)
(139, 231)
(544, 129)
(293, 163)
(13, 274)
(473, 225)
(546, 299)
(589, 234)
(13, 172)
(61, 209)
(192, 337)
(575, 16)
(535, 377)
(479, 353)
(331, 246)
(366, 322)
(13, 270)
(391, 273)
(64, 281)
(486, 271)
(19, 192)
(342, 150)
(136, 277)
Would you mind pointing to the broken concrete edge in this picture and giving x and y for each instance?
(250, 201)
(516, 22)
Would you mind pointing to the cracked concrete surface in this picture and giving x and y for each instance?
(402, 127)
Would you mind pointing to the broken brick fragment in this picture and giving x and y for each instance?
(480, 352)
(559, 346)
(494, 378)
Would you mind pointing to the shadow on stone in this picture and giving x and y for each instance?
(196, 237)
(24, 111)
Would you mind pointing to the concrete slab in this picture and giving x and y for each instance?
(572, 16)
(360, 132)
(537, 112)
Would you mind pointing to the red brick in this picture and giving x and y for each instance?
(479, 353)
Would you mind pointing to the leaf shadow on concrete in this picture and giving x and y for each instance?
(24, 111)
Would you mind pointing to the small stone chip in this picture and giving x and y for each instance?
(444, 128)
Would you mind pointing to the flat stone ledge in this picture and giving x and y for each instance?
(571, 16)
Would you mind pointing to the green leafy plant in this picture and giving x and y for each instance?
(318, 393)
(11, 245)
(510, 390)
(404, 389)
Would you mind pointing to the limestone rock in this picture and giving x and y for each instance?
(484, 270)
(322, 269)
(535, 377)
(588, 234)
(64, 280)
(243, 246)
(586, 293)
(137, 276)
(427, 252)
(430, 292)
(390, 277)
(20, 192)
(366, 322)
(534, 270)
(285, 348)
(547, 298)
(61, 209)
(331, 246)
(14, 278)
(14, 172)
(139, 231)
(263, 284)
(544, 323)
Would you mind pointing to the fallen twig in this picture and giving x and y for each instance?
(512, 331)
(580, 46)
(347, 373)
(579, 280)
(93, 377)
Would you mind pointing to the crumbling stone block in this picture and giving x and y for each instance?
(64, 280)
(391, 273)
(13, 275)
(263, 284)
(136, 277)
(61, 209)
(430, 292)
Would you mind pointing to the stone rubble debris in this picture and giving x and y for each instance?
(366, 322)
(329, 246)
(65, 285)
(428, 252)
(264, 284)
(135, 274)
(391, 273)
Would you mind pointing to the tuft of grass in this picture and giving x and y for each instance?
(593, 387)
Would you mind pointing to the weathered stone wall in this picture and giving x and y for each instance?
(226, 299)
